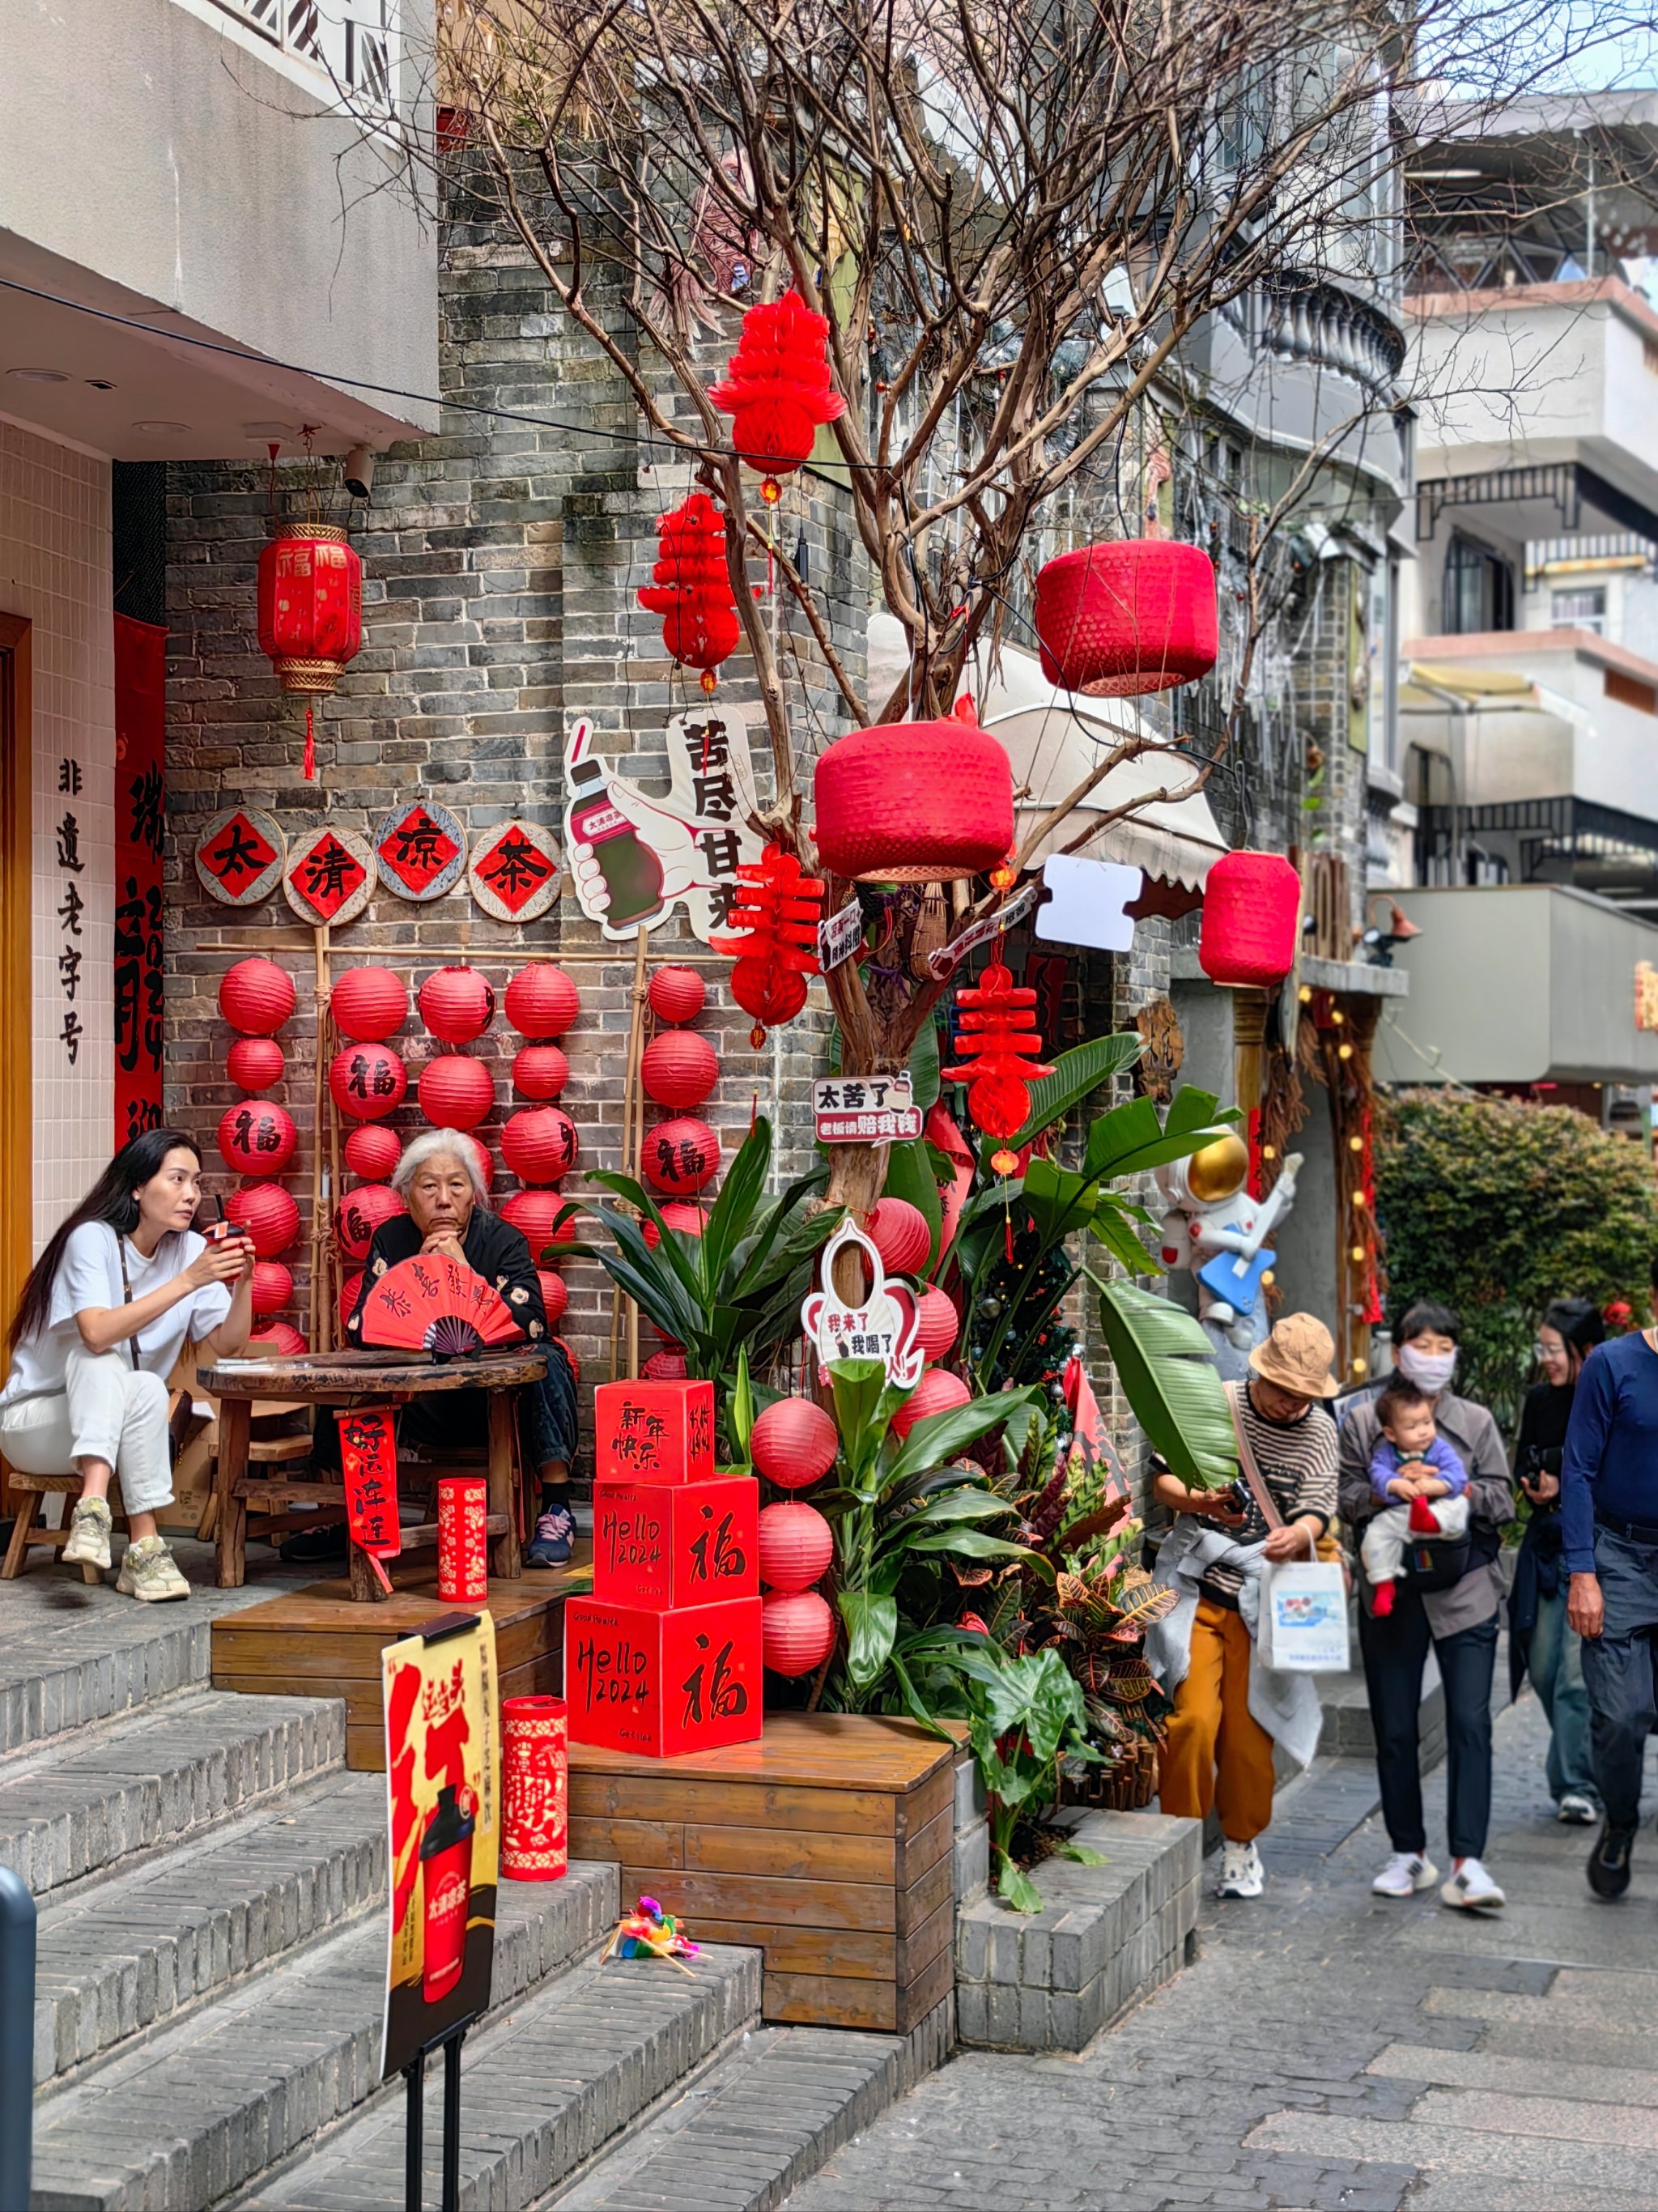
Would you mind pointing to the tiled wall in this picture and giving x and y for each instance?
(55, 568)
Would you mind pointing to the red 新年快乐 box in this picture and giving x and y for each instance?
(690, 1543)
(653, 1432)
(662, 1683)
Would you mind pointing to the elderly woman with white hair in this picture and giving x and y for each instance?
(438, 1180)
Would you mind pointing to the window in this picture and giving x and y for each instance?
(1583, 609)
(1479, 589)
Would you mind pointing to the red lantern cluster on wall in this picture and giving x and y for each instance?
(372, 1150)
(676, 995)
(254, 1063)
(532, 1213)
(777, 911)
(678, 1069)
(1118, 619)
(793, 1443)
(1251, 921)
(257, 997)
(310, 619)
(268, 1215)
(915, 802)
(257, 1138)
(680, 1155)
(539, 1071)
(776, 388)
(538, 1143)
(369, 1004)
(998, 1045)
(361, 1212)
(690, 588)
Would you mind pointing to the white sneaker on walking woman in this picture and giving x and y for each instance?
(1405, 1873)
(1472, 1889)
(1241, 1874)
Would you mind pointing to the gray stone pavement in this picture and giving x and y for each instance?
(1330, 2051)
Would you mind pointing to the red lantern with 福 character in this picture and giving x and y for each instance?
(999, 1045)
(1251, 921)
(268, 1215)
(690, 588)
(256, 1139)
(367, 1081)
(310, 602)
(777, 910)
(538, 1143)
(915, 802)
(361, 1212)
(1118, 619)
(680, 1155)
(776, 388)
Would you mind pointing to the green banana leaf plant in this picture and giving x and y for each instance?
(1165, 1365)
(1025, 1715)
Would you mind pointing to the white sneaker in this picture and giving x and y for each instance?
(149, 1574)
(89, 1534)
(1472, 1889)
(1405, 1873)
(1575, 1810)
(1241, 1874)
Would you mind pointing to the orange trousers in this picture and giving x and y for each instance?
(1217, 1752)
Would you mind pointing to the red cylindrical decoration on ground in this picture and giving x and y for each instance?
(540, 1071)
(257, 997)
(534, 1788)
(899, 1232)
(676, 995)
(463, 1540)
(680, 1155)
(369, 1004)
(1251, 920)
(367, 1081)
(457, 1005)
(794, 1443)
(267, 1213)
(256, 1140)
(937, 1392)
(797, 1631)
(538, 1143)
(371, 1152)
(1118, 619)
(678, 1068)
(456, 1092)
(915, 802)
(541, 1000)
(796, 1544)
(254, 1063)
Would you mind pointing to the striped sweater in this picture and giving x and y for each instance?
(1298, 1463)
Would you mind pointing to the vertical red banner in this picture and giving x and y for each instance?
(140, 754)
(368, 1462)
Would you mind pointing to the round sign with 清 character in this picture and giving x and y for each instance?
(330, 875)
(239, 855)
(420, 850)
(513, 871)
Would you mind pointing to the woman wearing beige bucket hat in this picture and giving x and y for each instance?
(1230, 1711)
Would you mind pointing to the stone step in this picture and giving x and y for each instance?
(542, 2092)
(118, 1958)
(211, 2105)
(156, 1777)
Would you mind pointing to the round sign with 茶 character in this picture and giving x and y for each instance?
(240, 856)
(513, 871)
(420, 850)
(330, 875)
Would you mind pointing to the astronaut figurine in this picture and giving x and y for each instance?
(1216, 1229)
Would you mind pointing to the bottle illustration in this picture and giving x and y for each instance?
(445, 1866)
(632, 871)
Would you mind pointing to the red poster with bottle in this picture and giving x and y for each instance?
(443, 1800)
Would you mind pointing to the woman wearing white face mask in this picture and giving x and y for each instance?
(1452, 1601)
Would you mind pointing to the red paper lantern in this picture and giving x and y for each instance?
(456, 1092)
(367, 1081)
(574, 1364)
(938, 1325)
(273, 1286)
(283, 1340)
(361, 1212)
(776, 388)
(349, 1291)
(457, 1005)
(915, 802)
(463, 1540)
(1117, 619)
(256, 1140)
(254, 1063)
(310, 621)
(999, 1043)
(937, 1392)
(678, 1068)
(538, 1143)
(369, 1004)
(689, 1220)
(680, 1155)
(257, 997)
(1251, 920)
(268, 1215)
(540, 1071)
(481, 1159)
(899, 1232)
(690, 587)
(554, 1294)
(777, 911)
(676, 995)
(372, 1150)
(534, 1788)
(665, 1367)
(541, 1000)
(532, 1213)
(793, 1443)
(797, 1633)
(796, 1545)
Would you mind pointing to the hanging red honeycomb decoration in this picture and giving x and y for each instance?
(310, 598)
(777, 388)
(998, 1047)
(777, 910)
(690, 588)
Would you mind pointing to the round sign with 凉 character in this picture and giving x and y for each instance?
(420, 850)
(330, 875)
(513, 871)
(239, 855)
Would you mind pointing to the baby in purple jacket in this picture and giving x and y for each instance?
(1413, 1465)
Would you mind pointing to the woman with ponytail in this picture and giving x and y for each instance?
(99, 1328)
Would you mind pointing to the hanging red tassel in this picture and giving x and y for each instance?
(778, 912)
(690, 587)
(777, 388)
(310, 745)
(998, 1046)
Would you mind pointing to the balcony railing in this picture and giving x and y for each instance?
(1324, 327)
(350, 44)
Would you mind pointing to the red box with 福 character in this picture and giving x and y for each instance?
(661, 1684)
(674, 1544)
(653, 1432)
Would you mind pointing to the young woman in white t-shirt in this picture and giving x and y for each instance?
(98, 1329)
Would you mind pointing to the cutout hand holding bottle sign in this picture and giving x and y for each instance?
(634, 857)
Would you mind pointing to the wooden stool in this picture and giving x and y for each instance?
(26, 1492)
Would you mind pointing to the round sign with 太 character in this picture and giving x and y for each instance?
(514, 871)
(239, 855)
(330, 875)
(420, 850)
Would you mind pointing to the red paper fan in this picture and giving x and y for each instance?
(432, 1303)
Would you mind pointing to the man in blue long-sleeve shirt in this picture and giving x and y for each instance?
(1609, 1525)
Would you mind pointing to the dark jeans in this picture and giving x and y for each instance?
(1621, 1672)
(1395, 1652)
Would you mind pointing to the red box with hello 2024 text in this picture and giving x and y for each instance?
(653, 1432)
(663, 1684)
(663, 1545)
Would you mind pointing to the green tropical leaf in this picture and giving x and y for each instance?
(1017, 1888)
(1130, 1139)
(924, 1065)
(942, 1435)
(970, 1544)
(732, 1211)
(740, 1408)
(1166, 1366)
(1076, 1074)
(871, 1623)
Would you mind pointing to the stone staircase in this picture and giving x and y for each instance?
(210, 1883)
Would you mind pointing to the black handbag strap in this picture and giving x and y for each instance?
(126, 1295)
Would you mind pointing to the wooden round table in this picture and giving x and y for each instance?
(338, 1380)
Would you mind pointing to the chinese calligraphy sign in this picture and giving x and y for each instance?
(688, 1544)
(865, 1109)
(239, 856)
(653, 1432)
(138, 977)
(514, 872)
(369, 1463)
(330, 875)
(885, 1326)
(662, 1683)
(420, 850)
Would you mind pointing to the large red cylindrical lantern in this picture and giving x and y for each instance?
(796, 1545)
(532, 1213)
(268, 1214)
(1251, 920)
(367, 1081)
(937, 1324)
(257, 1138)
(361, 1212)
(1118, 619)
(456, 1092)
(678, 1068)
(915, 802)
(257, 997)
(541, 1000)
(937, 1392)
(273, 1286)
(463, 1540)
(372, 1150)
(676, 995)
(899, 1232)
(538, 1143)
(680, 1155)
(310, 602)
(793, 1443)
(797, 1633)
(534, 1788)
(554, 1294)
(540, 1071)
(457, 1004)
(254, 1063)
(369, 1004)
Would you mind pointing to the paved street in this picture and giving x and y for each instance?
(1330, 2049)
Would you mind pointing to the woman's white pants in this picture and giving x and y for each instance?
(109, 1410)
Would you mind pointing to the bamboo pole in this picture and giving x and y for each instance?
(637, 1116)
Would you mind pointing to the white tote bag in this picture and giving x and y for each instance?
(1302, 1629)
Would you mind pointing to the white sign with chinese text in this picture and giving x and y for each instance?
(865, 1109)
(885, 1326)
(839, 937)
